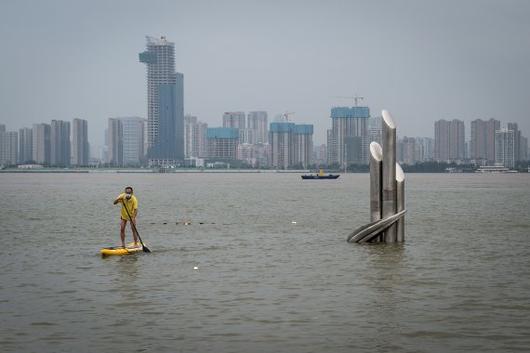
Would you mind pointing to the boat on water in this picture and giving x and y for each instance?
(320, 175)
(494, 169)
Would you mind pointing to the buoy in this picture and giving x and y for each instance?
(195, 268)
(293, 222)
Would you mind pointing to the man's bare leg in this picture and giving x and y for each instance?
(123, 224)
(135, 237)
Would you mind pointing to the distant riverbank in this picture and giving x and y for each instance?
(409, 169)
(147, 170)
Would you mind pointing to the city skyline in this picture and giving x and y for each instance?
(461, 75)
(450, 144)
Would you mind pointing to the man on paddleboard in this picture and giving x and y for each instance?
(127, 199)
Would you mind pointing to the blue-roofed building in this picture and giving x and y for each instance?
(303, 129)
(291, 145)
(281, 127)
(350, 112)
(303, 145)
(348, 137)
(222, 143)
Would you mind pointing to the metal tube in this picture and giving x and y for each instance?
(379, 226)
(400, 181)
(376, 196)
(373, 229)
(389, 174)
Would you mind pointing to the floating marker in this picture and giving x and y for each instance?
(195, 268)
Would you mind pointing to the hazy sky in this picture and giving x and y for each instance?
(422, 60)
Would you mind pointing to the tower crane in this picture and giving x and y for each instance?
(356, 99)
(286, 115)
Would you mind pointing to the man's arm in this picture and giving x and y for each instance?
(118, 199)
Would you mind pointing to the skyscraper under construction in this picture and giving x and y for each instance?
(165, 103)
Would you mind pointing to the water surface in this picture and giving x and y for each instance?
(460, 283)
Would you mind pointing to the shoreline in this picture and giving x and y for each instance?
(205, 171)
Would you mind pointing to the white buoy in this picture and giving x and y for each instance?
(195, 268)
(293, 222)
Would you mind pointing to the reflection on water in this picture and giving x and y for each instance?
(127, 273)
(274, 272)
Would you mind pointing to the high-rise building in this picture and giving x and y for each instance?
(505, 148)
(41, 143)
(165, 102)
(406, 152)
(261, 152)
(195, 142)
(115, 142)
(516, 141)
(257, 122)
(331, 148)
(411, 150)
(256, 155)
(320, 154)
(133, 140)
(482, 144)
(247, 136)
(190, 127)
(280, 140)
(291, 145)
(303, 145)
(245, 153)
(237, 120)
(25, 145)
(449, 140)
(375, 130)
(234, 120)
(8, 146)
(222, 143)
(424, 149)
(60, 143)
(201, 142)
(80, 145)
(349, 129)
(523, 149)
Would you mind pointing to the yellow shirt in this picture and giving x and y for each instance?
(132, 205)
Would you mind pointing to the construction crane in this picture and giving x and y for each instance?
(286, 115)
(356, 99)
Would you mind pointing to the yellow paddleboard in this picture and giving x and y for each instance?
(129, 249)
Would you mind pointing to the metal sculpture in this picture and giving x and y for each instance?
(387, 192)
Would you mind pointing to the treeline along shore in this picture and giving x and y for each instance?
(425, 167)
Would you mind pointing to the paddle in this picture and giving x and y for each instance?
(144, 248)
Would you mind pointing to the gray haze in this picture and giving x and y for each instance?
(422, 60)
